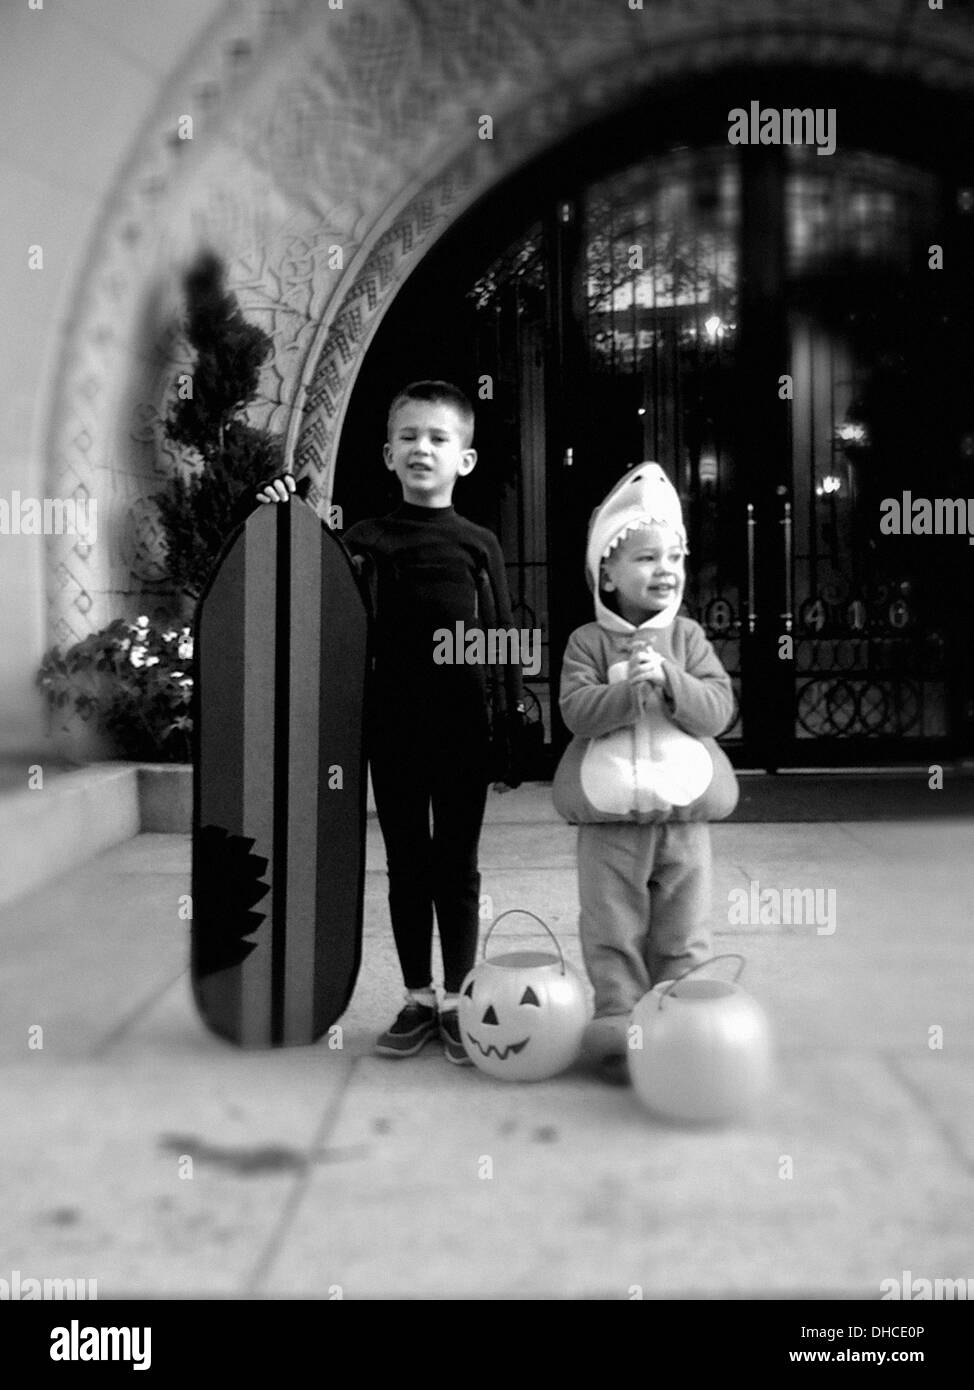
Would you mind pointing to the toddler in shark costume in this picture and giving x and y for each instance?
(645, 695)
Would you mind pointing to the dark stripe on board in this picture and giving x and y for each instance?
(282, 713)
(259, 649)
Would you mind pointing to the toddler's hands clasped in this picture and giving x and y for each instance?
(646, 665)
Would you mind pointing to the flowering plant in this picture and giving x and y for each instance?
(136, 679)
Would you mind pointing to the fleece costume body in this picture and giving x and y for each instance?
(643, 755)
(643, 774)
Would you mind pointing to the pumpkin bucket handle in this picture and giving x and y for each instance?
(525, 913)
(727, 955)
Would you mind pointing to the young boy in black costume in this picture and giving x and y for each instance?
(427, 724)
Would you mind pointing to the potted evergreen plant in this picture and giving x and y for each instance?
(125, 691)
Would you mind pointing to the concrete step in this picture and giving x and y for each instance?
(63, 821)
(54, 818)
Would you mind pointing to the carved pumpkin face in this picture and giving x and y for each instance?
(521, 1016)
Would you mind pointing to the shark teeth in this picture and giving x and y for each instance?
(638, 523)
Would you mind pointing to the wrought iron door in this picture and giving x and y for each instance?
(765, 326)
(875, 351)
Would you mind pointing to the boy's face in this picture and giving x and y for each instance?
(646, 572)
(427, 451)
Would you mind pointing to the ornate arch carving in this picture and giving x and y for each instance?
(357, 129)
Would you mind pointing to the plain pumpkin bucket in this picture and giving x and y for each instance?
(522, 1014)
(700, 1049)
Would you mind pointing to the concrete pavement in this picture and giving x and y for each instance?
(143, 1153)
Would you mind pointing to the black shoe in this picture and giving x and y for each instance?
(412, 1030)
(453, 1048)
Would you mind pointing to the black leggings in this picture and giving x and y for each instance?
(412, 775)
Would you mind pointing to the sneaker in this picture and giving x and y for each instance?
(453, 1048)
(412, 1030)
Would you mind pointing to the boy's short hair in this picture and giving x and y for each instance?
(439, 393)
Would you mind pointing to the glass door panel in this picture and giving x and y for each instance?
(659, 312)
(864, 323)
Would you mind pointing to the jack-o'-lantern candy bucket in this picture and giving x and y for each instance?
(700, 1049)
(522, 1014)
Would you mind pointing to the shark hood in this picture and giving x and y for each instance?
(644, 497)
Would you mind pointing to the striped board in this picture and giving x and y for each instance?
(279, 790)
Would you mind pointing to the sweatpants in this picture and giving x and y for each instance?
(415, 776)
(645, 896)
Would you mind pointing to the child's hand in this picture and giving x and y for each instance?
(646, 664)
(278, 490)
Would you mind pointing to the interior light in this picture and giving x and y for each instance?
(851, 433)
(707, 468)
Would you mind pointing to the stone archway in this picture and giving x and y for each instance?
(359, 130)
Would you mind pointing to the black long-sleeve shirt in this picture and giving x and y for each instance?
(430, 565)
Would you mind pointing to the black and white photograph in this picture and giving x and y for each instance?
(487, 708)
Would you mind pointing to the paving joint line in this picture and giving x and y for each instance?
(919, 1097)
(275, 1241)
(134, 1016)
(844, 827)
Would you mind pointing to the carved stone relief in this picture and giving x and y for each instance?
(357, 130)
